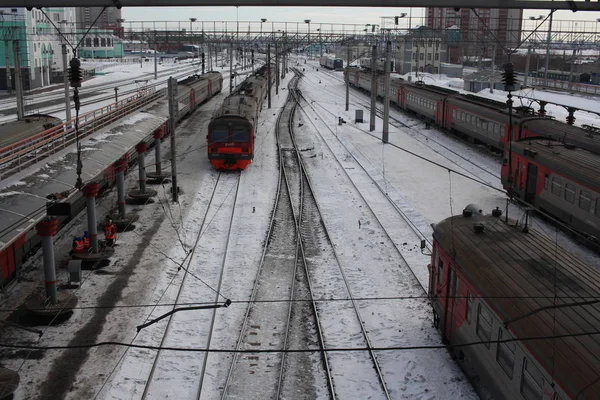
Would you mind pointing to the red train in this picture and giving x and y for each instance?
(574, 197)
(494, 284)
(230, 138)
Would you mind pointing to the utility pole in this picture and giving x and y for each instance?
(493, 69)
(66, 82)
(548, 47)
(7, 63)
(373, 88)
(386, 93)
(230, 67)
(349, 55)
(527, 60)
(276, 69)
(572, 69)
(155, 58)
(269, 75)
(18, 81)
(172, 92)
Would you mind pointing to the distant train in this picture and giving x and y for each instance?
(230, 138)
(336, 64)
(487, 121)
(191, 92)
(495, 284)
(365, 63)
(562, 76)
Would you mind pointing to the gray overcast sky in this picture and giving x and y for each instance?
(361, 15)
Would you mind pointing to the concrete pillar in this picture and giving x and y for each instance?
(66, 81)
(386, 93)
(120, 166)
(18, 81)
(269, 75)
(90, 191)
(373, 110)
(276, 69)
(157, 136)
(46, 229)
(141, 149)
(7, 63)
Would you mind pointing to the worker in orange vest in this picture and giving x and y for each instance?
(86, 240)
(110, 231)
(77, 245)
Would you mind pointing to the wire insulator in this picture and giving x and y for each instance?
(75, 73)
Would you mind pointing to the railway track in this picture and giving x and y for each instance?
(443, 150)
(182, 375)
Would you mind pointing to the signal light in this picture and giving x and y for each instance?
(75, 72)
(508, 77)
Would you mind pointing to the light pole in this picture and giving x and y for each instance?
(320, 41)
(307, 21)
(191, 40)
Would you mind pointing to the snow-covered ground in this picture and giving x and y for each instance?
(143, 279)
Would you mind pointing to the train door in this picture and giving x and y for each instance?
(210, 88)
(450, 295)
(531, 184)
(192, 100)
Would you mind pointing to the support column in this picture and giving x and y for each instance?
(142, 193)
(573, 57)
(269, 75)
(373, 88)
(120, 166)
(252, 55)
(527, 61)
(276, 69)
(90, 191)
(158, 176)
(66, 81)
(46, 229)
(7, 63)
(349, 52)
(571, 116)
(18, 81)
(203, 63)
(231, 67)
(386, 93)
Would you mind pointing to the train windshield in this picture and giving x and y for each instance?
(220, 134)
(240, 134)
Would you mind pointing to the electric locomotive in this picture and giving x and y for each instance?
(230, 138)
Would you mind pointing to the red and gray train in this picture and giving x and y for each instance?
(520, 314)
(231, 132)
(570, 161)
(16, 249)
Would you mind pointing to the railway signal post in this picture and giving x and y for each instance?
(269, 75)
(172, 92)
(66, 81)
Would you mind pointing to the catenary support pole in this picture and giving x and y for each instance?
(230, 67)
(66, 81)
(527, 61)
(90, 191)
(46, 229)
(7, 63)
(349, 55)
(548, 47)
(573, 58)
(18, 81)
(269, 75)
(120, 167)
(172, 92)
(276, 69)
(158, 134)
(203, 63)
(252, 55)
(373, 88)
(155, 58)
(492, 75)
(386, 93)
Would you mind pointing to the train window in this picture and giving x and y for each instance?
(440, 271)
(453, 113)
(532, 381)
(556, 186)
(505, 355)
(220, 134)
(570, 193)
(469, 306)
(585, 200)
(546, 182)
(240, 134)
(484, 325)
(456, 290)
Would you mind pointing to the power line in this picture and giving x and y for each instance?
(281, 351)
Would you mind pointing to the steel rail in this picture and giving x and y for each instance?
(299, 245)
(343, 274)
(182, 284)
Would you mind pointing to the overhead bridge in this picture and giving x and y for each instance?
(573, 5)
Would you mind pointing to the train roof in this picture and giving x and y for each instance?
(578, 164)
(236, 105)
(15, 131)
(195, 78)
(562, 132)
(520, 273)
